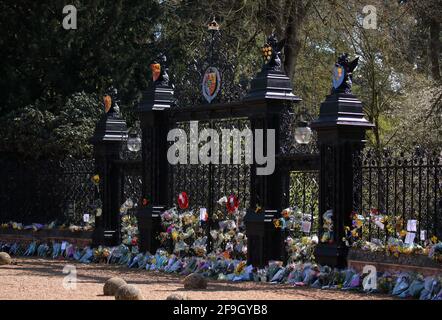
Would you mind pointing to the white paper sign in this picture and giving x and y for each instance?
(423, 235)
(379, 224)
(409, 239)
(63, 245)
(411, 225)
(306, 226)
(203, 214)
(86, 217)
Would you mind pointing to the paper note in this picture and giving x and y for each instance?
(203, 214)
(409, 239)
(306, 226)
(423, 235)
(411, 225)
(379, 224)
(63, 245)
(86, 217)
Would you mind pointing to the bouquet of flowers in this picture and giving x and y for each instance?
(327, 226)
(435, 252)
(301, 250)
(129, 230)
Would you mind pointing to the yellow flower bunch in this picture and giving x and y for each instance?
(188, 219)
(390, 229)
(305, 240)
(277, 223)
(354, 233)
(240, 267)
(106, 253)
(434, 239)
(96, 179)
(16, 226)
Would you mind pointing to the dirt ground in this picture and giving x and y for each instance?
(32, 278)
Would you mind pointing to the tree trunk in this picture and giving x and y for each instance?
(435, 49)
(298, 10)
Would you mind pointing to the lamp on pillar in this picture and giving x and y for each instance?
(152, 109)
(133, 140)
(303, 133)
(341, 129)
(270, 95)
(109, 136)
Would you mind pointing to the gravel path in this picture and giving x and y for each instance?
(32, 278)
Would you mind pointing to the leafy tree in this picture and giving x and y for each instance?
(48, 71)
(35, 133)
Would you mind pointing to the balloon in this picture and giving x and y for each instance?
(183, 200)
(232, 203)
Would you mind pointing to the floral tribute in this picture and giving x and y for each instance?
(185, 237)
(218, 267)
(400, 236)
(186, 232)
(296, 226)
(129, 224)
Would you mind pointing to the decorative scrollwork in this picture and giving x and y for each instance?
(218, 54)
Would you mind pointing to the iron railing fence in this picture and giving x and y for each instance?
(401, 187)
(304, 195)
(62, 191)
(44, 191)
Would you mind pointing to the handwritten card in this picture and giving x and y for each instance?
(423, 235)
(379, 224)
(86, 217)
(203, 214)
(306, 226)
(63, 245)
(409, 239)
(411, 225)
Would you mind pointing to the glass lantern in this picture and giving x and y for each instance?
(133, 141)
(303, 133)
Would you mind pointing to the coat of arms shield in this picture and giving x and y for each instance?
(338, 75)
(211, 83)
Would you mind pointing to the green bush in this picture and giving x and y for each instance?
(35, 132)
